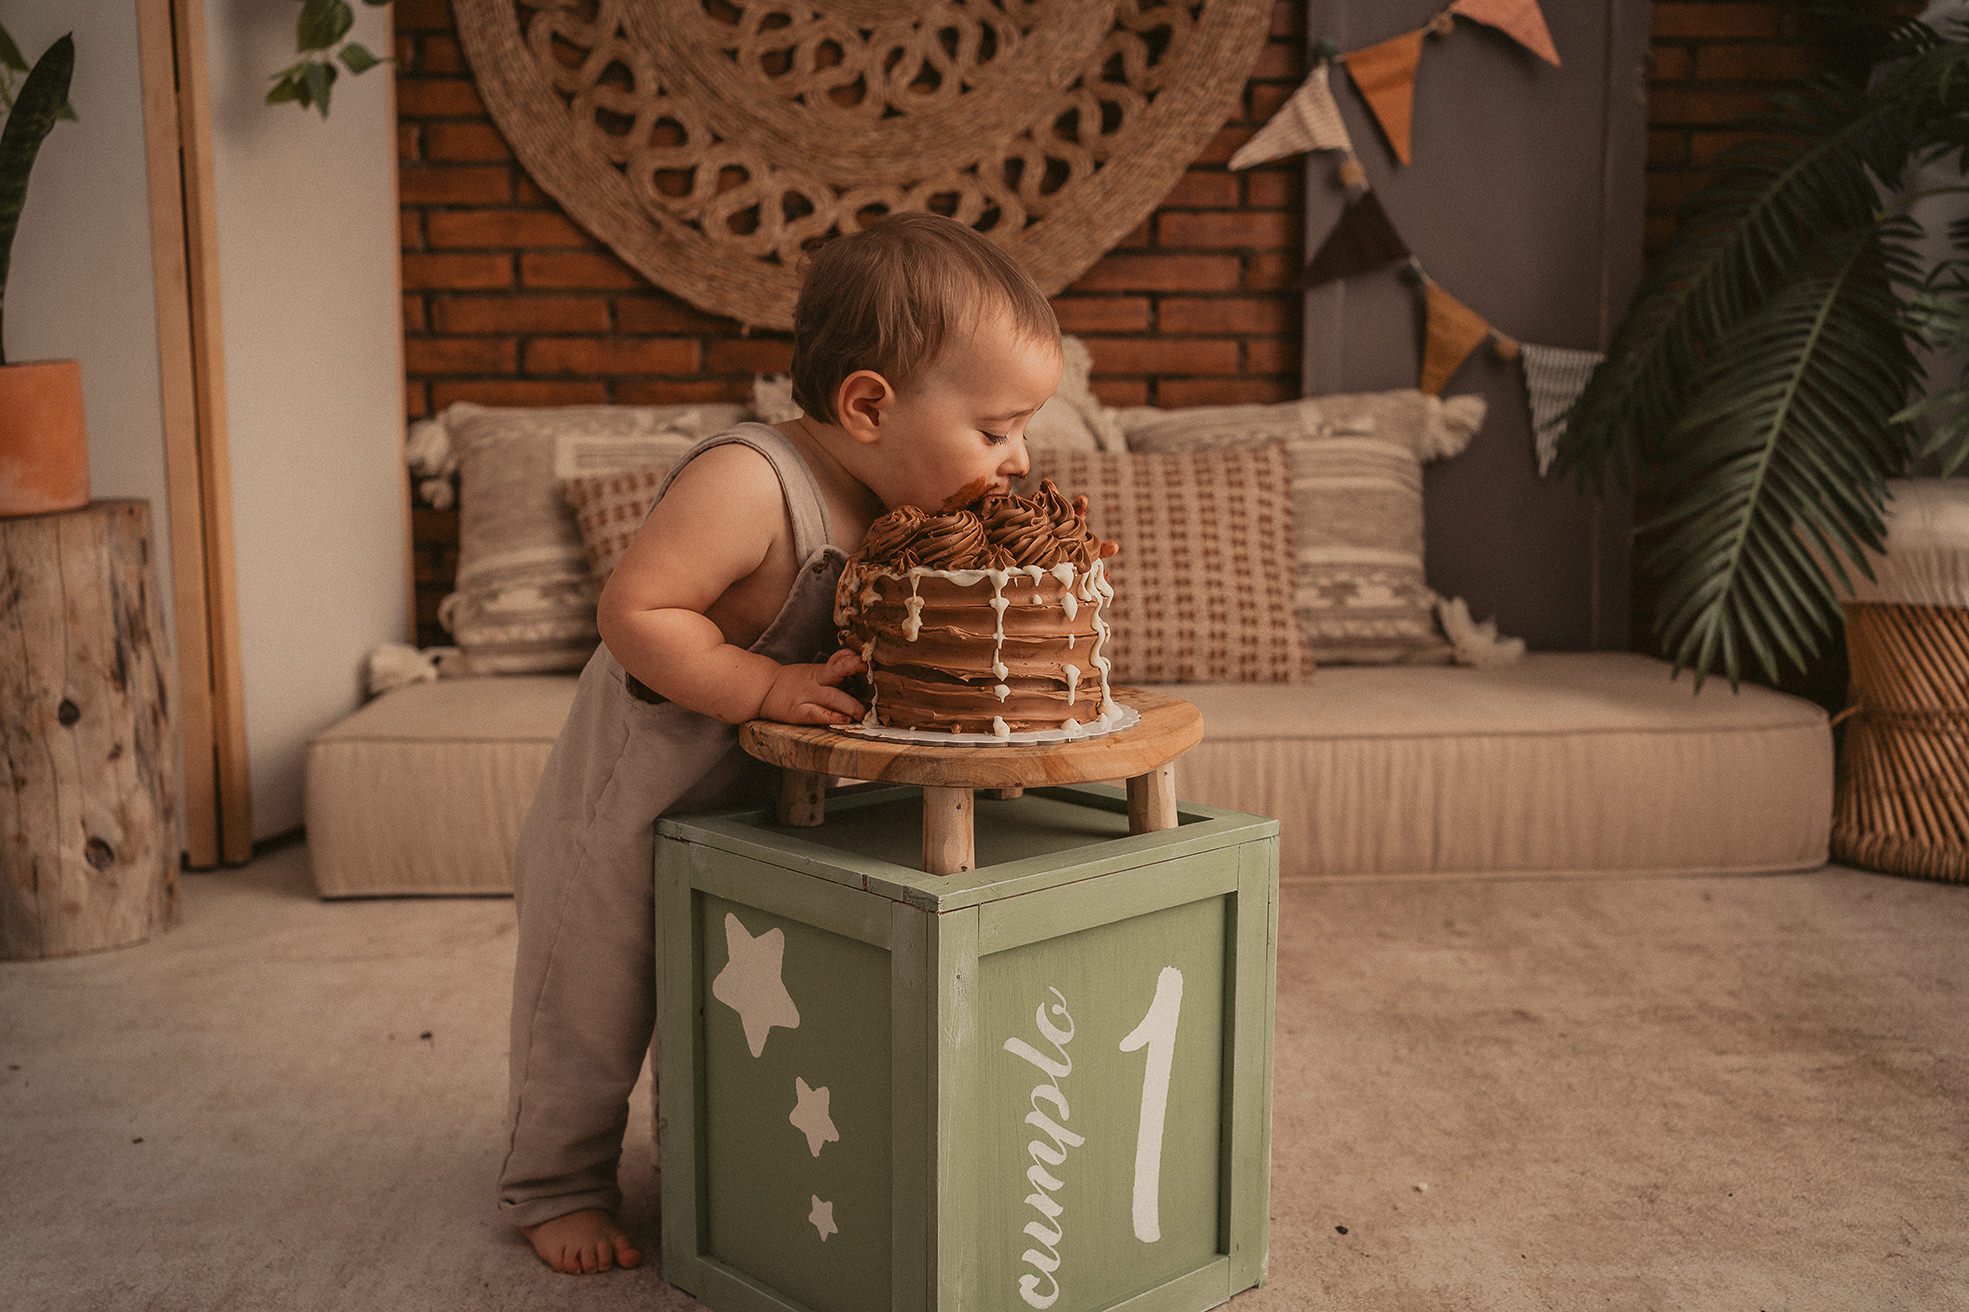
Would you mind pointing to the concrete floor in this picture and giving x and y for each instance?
(1698, 1093)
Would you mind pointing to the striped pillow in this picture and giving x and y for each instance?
(1203, 580)
(1356, 459)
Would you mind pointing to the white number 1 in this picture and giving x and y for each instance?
(1157, 1032)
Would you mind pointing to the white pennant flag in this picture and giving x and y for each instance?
(1308, 121)
(1554, 378)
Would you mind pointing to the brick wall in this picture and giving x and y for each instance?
(508, 302)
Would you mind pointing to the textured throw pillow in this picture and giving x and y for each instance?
(1356, 480)
(524, 601)
(1202, 583)
(1073, 418)
(609, 508)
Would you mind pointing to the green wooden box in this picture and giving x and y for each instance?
(1044, 1083)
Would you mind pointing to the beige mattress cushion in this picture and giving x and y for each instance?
(424, 788)
(1565, 763)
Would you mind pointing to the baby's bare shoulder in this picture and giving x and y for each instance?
(715, 525)
(734, 471)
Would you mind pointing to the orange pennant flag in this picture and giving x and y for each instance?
(1521, 20)
(1384, 74)
(1453, 332)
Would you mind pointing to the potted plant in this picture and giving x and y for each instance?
(44, 451)
(1760, 382)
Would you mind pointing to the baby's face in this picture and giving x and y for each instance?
(961, 425)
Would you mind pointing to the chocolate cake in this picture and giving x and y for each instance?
(984, 617)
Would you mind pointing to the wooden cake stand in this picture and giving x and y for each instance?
(1144, 754)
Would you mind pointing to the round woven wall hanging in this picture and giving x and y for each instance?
(709, 143)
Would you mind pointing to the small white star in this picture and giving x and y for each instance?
(810, 1116)
(822, 1218)
(750, 983)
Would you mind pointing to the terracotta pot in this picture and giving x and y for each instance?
(44, 449)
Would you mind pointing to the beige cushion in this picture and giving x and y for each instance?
(1073, 418)
(1567, 763)
(424, 788)
(1357, 458)
(1564, 763)
(1203, 580)
(524, 600)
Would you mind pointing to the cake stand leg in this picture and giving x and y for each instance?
(802, 798)
(1152, 800)
(949, 841)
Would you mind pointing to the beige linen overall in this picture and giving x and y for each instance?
(584, 984)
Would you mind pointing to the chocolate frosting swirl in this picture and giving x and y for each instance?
(997, 531)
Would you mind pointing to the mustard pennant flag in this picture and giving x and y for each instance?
(1384, 74)
(1554, 378)
(1308, 121)
(1453, 332)
(1521, 20)
(1363, 239)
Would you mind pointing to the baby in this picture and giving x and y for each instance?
(920, 351)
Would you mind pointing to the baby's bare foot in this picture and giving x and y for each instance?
(581, 1243)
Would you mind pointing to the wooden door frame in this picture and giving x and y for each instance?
(205, 601)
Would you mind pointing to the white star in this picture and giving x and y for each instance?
(822, 1218)
(810, 1116)
(750, 983)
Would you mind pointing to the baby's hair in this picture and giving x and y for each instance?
(888, 297)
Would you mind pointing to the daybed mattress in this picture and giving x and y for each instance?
(1564, 763)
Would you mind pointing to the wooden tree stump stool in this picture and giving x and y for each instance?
(89, 842)
(1144, 754)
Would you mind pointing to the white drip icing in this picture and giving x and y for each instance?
(998, 640)
(1090, 586)
(913, 623)
(1000, 729)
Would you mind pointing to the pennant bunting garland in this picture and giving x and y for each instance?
(1454, 330)
(1363, 239)
(1521, 20)
(1554, 378)
(1308, 121)
(1384, 74)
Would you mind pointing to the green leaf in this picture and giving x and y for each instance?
(10, 54)
(1747, 234)
(286, 88)
(1781, 458)
(320, 77)
(35, 109)
(323, 23)
(357, 57)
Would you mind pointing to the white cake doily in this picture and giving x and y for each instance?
(1128, 718)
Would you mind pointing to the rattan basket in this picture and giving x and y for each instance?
(1901, 802)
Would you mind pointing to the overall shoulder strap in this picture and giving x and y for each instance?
(811, 527)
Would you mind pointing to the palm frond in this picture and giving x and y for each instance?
(1780, 459)
(1809, 171)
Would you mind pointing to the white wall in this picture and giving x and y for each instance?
(308, 267)
(308, 272)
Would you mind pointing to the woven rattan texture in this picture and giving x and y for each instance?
(1902, 802)
(710, 143)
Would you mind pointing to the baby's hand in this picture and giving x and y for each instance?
(810, 694)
